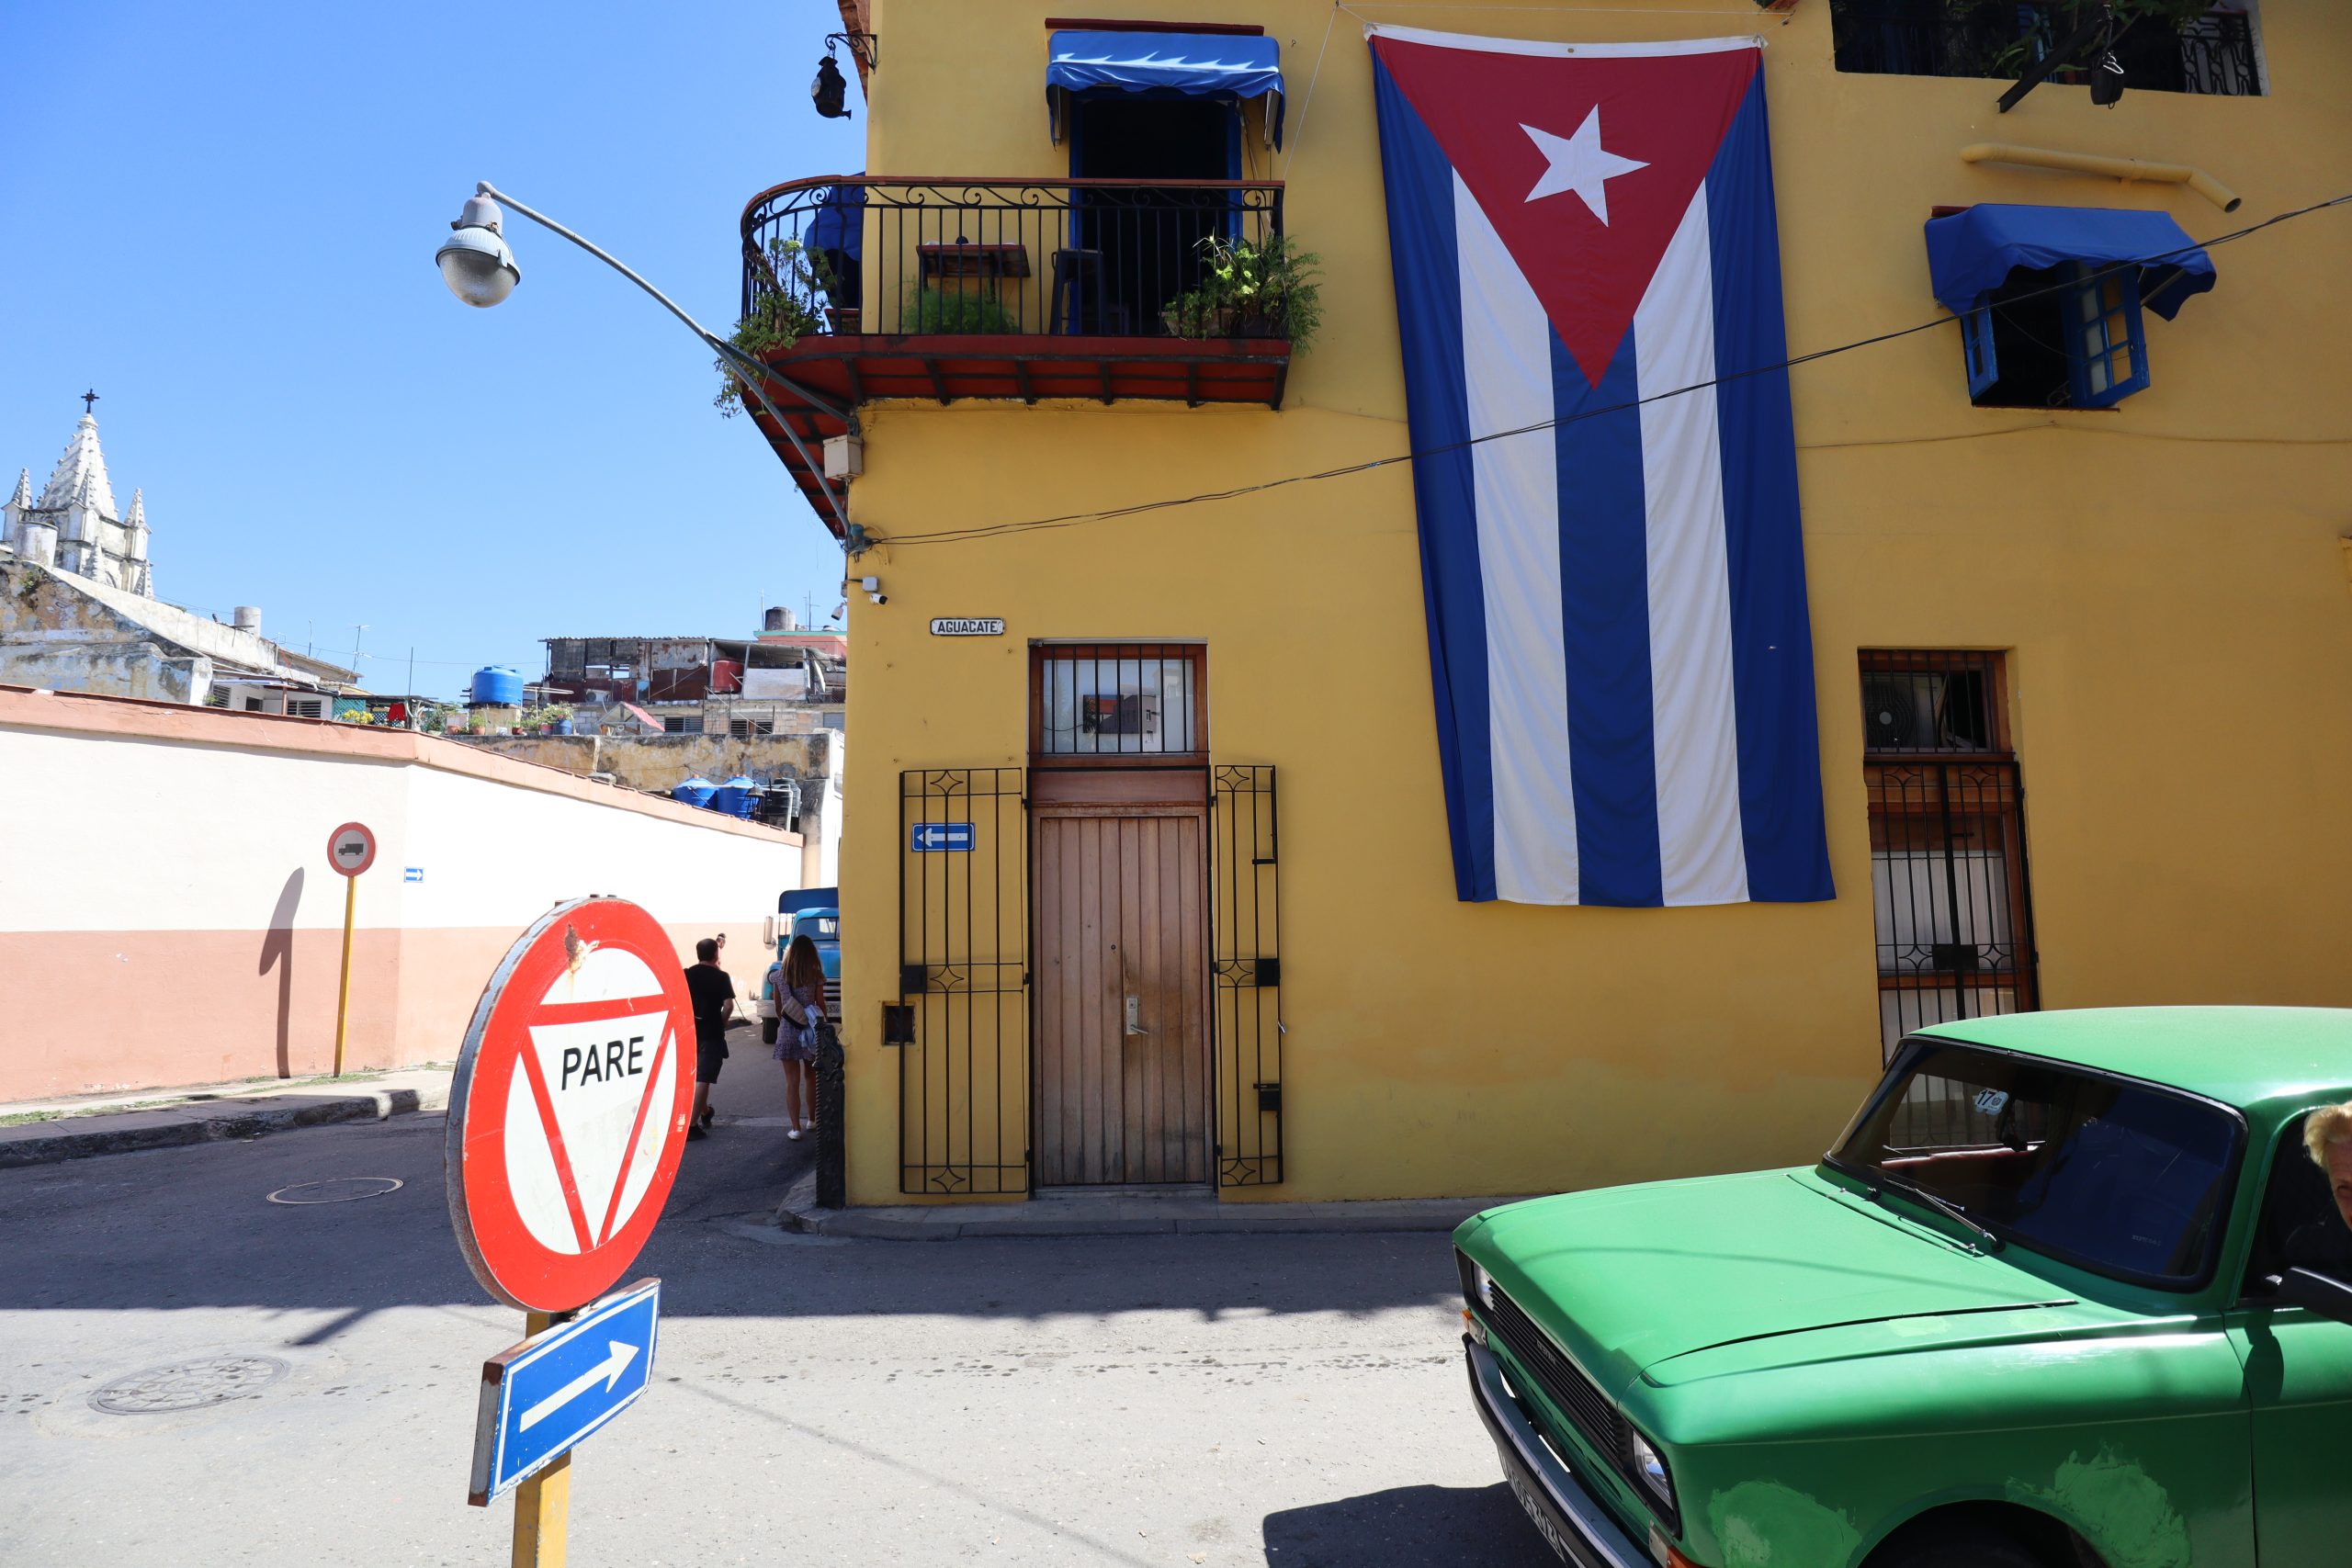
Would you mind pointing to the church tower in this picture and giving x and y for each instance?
(76, 509)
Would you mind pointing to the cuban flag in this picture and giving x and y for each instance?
(1618, 635)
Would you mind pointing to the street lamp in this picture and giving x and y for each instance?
(479, 267)
(474, 260)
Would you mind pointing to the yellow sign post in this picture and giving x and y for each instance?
(543, 1503)
(351, 848)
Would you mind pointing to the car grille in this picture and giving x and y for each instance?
(1570, 1391)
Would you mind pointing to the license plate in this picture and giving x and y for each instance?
(1522, 1486)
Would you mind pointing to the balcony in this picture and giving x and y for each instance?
(2213, 54)
(870, 286)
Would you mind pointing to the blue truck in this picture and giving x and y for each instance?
(815, 913)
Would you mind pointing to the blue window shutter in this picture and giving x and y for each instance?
(1977, 349)
(2107, 343)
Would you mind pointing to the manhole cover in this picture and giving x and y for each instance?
(342, 1190)
(190, 1385)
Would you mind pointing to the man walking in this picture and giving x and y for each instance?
(714, 999)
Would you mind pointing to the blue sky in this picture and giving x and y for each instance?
(223, 218)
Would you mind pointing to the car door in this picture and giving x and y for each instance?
(2298, 1367)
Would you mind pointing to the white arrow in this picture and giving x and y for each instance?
(609, 1370)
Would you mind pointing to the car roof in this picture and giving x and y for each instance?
(2247, 1056)
(815, 911)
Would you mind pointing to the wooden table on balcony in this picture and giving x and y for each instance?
(963, 259)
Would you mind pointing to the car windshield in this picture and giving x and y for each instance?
(2124, 1178)
(820, 928)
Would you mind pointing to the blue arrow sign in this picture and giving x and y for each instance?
(940, 838)
(553, 1391)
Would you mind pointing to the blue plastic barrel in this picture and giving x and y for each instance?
(735, 797)
(695, 791)
(563, 726)
(498, 687)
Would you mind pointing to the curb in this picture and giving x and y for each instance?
(46, 1142)
(798, 1212)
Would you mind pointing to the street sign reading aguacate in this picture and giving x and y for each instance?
(568, 1110)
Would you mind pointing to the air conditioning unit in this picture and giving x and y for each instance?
(1903, 712)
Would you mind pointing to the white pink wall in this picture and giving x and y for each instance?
(167, 915)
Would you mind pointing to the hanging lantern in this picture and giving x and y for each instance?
(830, 92)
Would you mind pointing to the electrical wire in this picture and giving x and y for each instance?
(1105, 514)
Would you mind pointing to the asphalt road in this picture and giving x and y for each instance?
(1163, 1401)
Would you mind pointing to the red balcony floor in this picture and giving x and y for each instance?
(819, 378)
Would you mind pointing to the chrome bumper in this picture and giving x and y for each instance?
(1577, 1527)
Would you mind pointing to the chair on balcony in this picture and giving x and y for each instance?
(1079, 307)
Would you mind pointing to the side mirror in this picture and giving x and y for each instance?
(2314, 1293)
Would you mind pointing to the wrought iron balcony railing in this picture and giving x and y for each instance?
(873, 255)
(2000, 39)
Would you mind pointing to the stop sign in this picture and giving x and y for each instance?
(568, 1107)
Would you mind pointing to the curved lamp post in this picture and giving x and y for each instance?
(479, 266)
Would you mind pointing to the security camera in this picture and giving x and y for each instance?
(879, 598)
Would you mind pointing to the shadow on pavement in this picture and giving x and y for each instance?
(190, 1227)
(1424, 1527)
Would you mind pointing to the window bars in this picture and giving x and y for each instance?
(1950, 891)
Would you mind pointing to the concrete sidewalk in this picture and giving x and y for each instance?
(1118, 1213)
(200, 1115)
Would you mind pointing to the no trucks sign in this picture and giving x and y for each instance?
(569, 1107)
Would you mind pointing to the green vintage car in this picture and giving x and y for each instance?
(2067, 1293)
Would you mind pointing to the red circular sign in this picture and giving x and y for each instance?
(568, 1107)
(351, 848)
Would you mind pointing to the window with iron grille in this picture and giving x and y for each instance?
(1117, 705)
(2215, 54)
(1947, 857)
(743, 729)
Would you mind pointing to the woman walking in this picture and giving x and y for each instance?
(799, 1009)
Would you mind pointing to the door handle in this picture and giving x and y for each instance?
(1135, 1022)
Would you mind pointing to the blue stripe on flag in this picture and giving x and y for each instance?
(1604, 601)
(1772, 680)
(1419, 184)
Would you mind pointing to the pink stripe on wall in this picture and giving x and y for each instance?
(94, 1010)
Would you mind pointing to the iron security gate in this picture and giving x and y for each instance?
(1245, 905)
(1948, 868)
(962, 1022)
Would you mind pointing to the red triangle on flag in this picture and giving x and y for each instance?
(1585, 162)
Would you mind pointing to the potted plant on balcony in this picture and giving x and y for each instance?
(954, 310)
(783, 311)
(1263, 288)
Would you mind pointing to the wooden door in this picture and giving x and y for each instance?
(1122, 997)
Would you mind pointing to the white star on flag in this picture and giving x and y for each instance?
(1580, 163)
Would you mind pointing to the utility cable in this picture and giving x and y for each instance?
(1075, 519)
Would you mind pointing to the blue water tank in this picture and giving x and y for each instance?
(735, 797)
(497, 686)
(695, 791)
(563, 726)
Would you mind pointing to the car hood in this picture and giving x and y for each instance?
(1627, 1277)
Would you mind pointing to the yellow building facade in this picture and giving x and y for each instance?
(2094, 664)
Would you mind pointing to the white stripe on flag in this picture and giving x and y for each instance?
(1700, 850)
(1507, 366)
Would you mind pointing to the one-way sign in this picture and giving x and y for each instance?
(546, 1394)
(941, 838)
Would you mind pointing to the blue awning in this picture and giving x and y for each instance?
(1216, 65)
(1971, 253)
